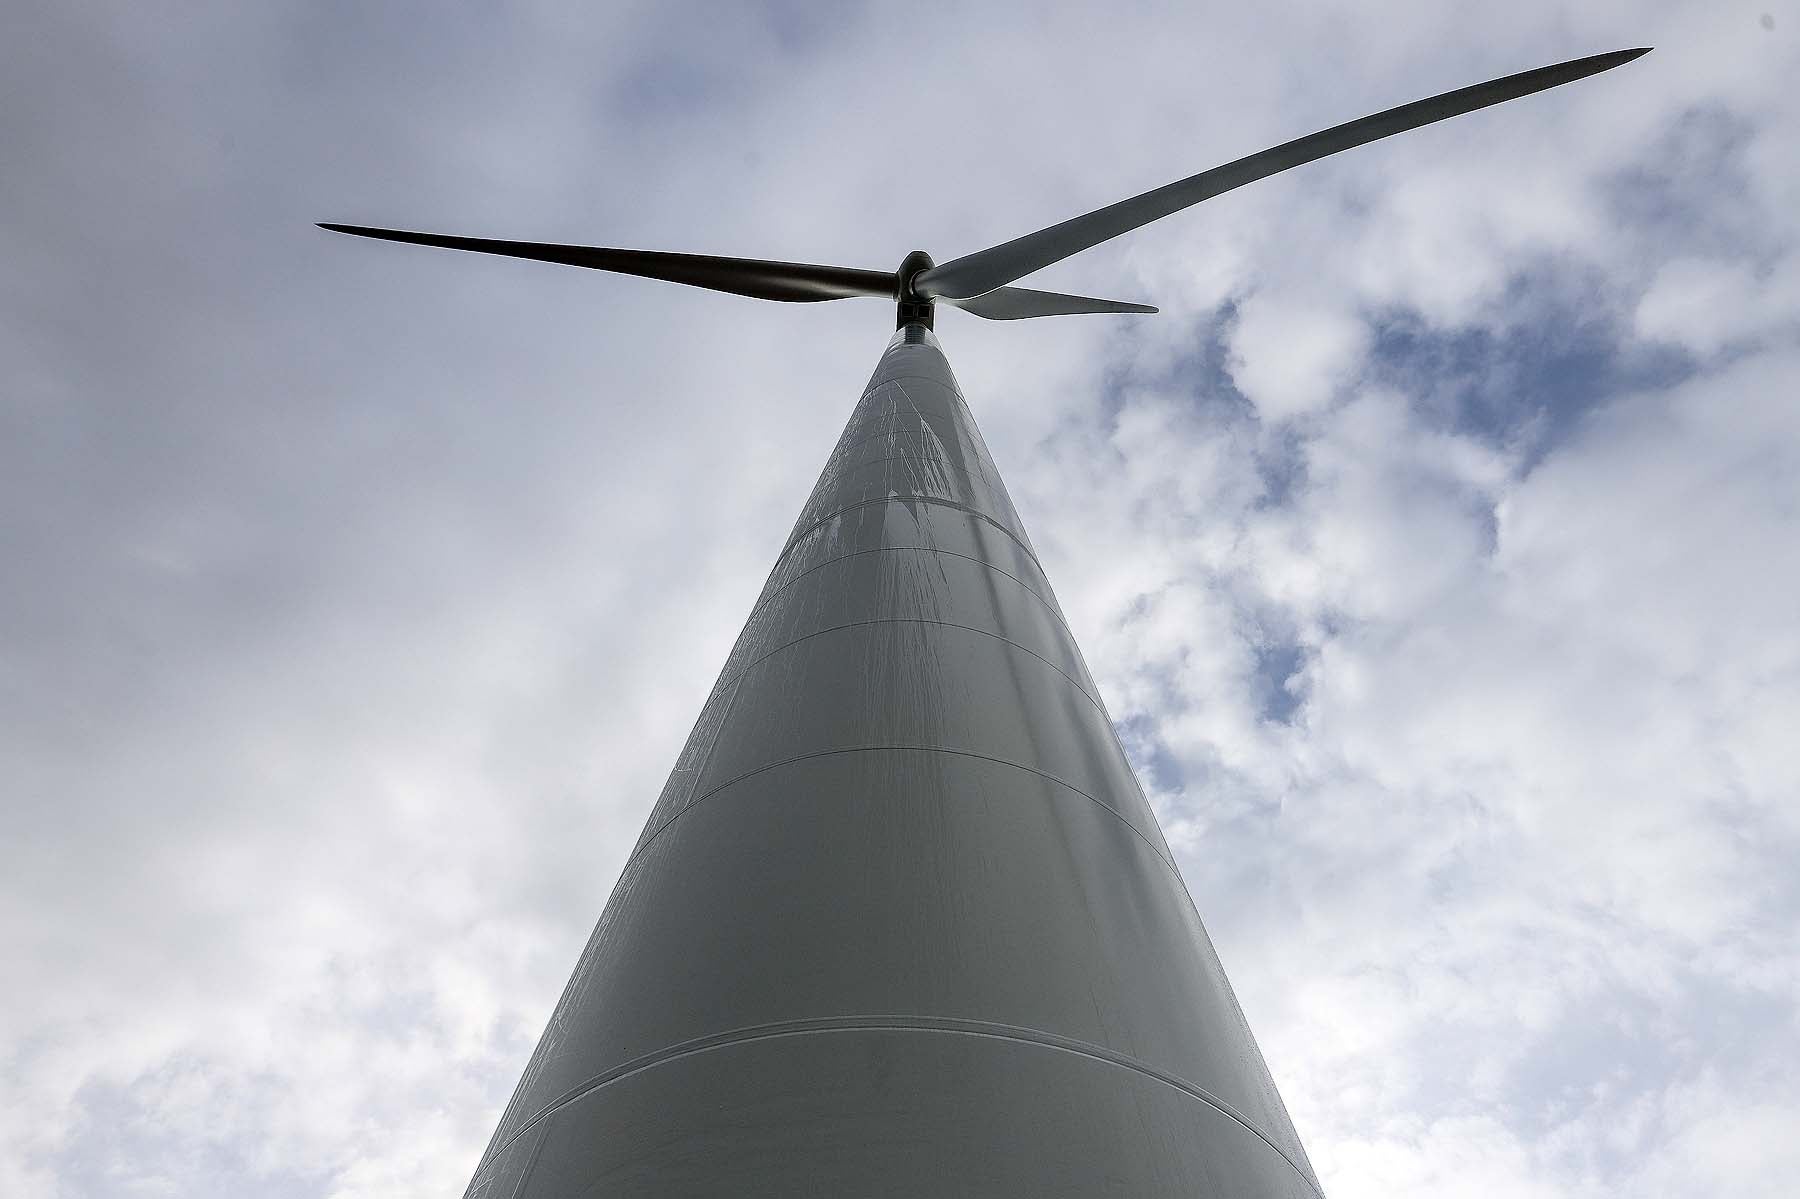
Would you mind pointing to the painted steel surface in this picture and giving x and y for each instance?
(901, 922)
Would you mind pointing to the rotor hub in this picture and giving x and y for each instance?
(913, 309)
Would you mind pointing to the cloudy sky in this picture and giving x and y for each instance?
(1435, 548)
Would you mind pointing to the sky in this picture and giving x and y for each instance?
(1434, 548)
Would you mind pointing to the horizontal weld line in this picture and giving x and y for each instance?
(904, 499)
(944, 1025)
(946, 624)
(531, 1164)
(1033, 592)
(1161, 853)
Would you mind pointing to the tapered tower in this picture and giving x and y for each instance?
(902, 922)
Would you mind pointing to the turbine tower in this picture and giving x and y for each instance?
(902, 922)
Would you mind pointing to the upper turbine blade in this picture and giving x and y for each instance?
(985, 270)
(791, 281)
(1017, 303)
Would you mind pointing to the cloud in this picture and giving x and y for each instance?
(1706, 305)
(1290, 358)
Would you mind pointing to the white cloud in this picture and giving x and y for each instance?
(1289, 358)
(1704, 305)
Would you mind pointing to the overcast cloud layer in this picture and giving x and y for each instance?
(1435, 548)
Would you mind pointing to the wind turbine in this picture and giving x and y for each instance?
(902, 922)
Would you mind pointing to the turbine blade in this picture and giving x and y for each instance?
(795, 282)
(1018, 303)
(985, 270)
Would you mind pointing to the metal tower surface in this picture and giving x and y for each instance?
(902, 922)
